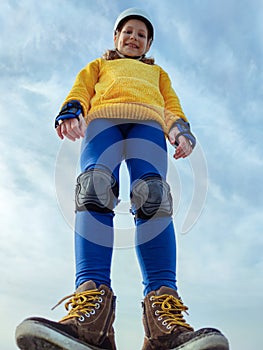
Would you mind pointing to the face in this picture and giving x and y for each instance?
(132, 39)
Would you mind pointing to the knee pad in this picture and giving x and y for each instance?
(151, 197)
(96, 190)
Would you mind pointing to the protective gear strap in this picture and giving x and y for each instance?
(184, 129)
(70, 110)
(151, 197)
(96, 190)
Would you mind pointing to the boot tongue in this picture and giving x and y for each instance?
(167, 290)
(86, 286)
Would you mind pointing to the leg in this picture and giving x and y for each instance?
(102, 152)
(146, 157)
(165, 327)
(156, 253)
(91, 309)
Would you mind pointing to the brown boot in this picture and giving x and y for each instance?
(88, 325)
(165, 327)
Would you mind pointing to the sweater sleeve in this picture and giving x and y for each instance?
(173, 109)
(83, 88)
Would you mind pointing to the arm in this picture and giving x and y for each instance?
(173, 109)
(178, 127)
(70, 121)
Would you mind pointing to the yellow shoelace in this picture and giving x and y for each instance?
(82, 304)
(170, 310)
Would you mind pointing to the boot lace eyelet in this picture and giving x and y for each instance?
(81, 319)
(87, 314)
(152, 298)
(164, 323)
(92, 312)
(153, 305)
(159, 318)
(100, 300)
(156, 313)
(97, 306)
(168, 327)
(102, 292)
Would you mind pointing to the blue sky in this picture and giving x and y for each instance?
(212, 51)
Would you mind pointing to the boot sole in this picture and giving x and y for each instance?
(205, 342)
(32, 335)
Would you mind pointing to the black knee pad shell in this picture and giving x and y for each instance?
(96, 190)
(151, 197)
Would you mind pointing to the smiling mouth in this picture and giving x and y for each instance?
(132, 46)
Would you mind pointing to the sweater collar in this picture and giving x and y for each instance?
(138, 58)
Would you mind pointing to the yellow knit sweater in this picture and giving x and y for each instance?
(128, 89)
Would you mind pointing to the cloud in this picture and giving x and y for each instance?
(213, 54)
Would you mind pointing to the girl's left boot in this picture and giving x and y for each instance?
(165, 327)
(88, 325)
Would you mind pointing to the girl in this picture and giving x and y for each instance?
(124, 108)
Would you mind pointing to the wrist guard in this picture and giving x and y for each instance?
(70, 110)
(184, 130)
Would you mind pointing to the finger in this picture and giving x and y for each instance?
(179, 153)
(67, 131)
(172, 135)
(74, 128)
(79, 127)
(171, 139)
(82, 125)
(183, 151)
(83, 128)
(185, 145)
(58, 130)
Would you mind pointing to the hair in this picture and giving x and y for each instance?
(114, 55)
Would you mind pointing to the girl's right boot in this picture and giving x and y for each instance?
(88, 325)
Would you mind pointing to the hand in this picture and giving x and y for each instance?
(72, 128)
(184, 148)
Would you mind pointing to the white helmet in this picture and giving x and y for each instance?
(135, 13)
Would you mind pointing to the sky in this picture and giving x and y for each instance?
(213, 53)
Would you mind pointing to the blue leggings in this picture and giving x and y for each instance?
(142, 145)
